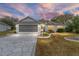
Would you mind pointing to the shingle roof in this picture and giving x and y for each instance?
(53, 23)
(27, 18)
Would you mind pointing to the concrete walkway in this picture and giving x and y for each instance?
(18, 45)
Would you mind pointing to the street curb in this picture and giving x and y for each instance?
(66, 38)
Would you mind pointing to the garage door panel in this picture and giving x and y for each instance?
(28, 28)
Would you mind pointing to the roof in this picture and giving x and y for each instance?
(43, 21)
(53, 23)
(27, 18)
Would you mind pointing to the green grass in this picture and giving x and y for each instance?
(7, 32)
(57, 46)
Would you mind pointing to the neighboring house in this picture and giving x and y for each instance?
(4, 27)
(28, 25)
(54, 26)
(48, 25)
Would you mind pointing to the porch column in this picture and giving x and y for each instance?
(46, 28)
(17, 28)
(39, 29)
(55, 30)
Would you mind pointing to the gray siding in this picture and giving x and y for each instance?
(28, 28)
(28, 25)
(4, 27)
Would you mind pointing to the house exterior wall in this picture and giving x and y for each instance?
(51, 27)
(60, 26)
(46, 28)
(4, 27)
(26, 26)
(39, 29)
(54, 27)
(17, 28)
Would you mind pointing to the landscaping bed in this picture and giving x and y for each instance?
(57, 46)
(44, 35)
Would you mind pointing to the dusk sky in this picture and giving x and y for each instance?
(37, 11)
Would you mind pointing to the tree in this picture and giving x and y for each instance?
(10, 21)
(72, 25)
(62, 18)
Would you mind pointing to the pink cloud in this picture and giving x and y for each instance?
(71, 8)
(4, 13)
(22, 8)
(46, 5)
(46, 10)
(77, 12)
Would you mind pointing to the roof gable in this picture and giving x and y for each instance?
(28, 19)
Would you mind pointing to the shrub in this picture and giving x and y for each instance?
(50, 31)
(72, 25)
(45, 33)
(60, 30)
(9, 21)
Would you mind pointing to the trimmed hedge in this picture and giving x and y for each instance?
(60, 30)
(50, 31)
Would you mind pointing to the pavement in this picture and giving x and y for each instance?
(18, 45)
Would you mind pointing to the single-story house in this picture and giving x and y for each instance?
(54, 26)
(48, 25)
(28, 25)
(4, 27)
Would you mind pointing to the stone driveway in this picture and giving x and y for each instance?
(18, 45)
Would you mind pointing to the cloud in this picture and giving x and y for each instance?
(4, 13)
(40, 10)
(46, 10)
(71, 7)
(22, 8)
(46, 5)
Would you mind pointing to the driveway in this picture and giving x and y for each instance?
(18, 45)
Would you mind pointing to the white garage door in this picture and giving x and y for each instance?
(28, 28)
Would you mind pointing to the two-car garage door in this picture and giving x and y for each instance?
(28, 28)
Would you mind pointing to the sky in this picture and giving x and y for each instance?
(38, 10)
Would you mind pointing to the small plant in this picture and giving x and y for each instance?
(45, 33)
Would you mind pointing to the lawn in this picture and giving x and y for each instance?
(7, 33)
(57, 46)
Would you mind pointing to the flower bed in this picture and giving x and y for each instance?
(44, 35)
